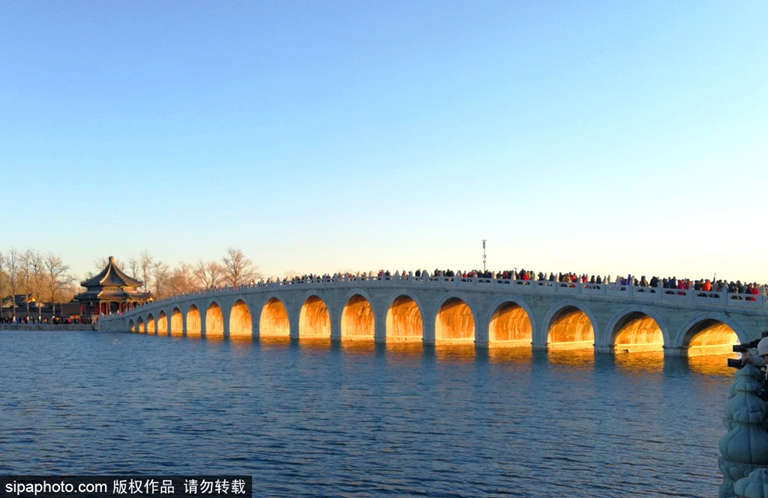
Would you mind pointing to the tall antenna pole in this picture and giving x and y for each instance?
(484, 254)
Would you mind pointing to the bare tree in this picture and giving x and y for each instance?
(146, 264)
(238, 269)
(208, 274)
(99, 264)
(37, 270)
(25, 260)
(13, 265)
(132, 268)
(160, 275)
(3, 282)
(181, 280)
(56, 273)
(69, 290)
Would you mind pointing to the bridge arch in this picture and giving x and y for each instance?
(177, 323)
(314, 319)
(357, 317)
(131, 326)
(510, 323)
(240, 323)
(162, 323)
(140, 326)
(404, 319)
(151, 325)
(274, 320)
(710, 334)
(194, 323)
(214, 321)
(637, 329)
(454, 321)
(570, 325)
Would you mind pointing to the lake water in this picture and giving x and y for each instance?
(321, 419)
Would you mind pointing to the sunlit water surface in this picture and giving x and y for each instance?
(322, 419)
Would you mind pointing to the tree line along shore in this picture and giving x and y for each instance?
(33, 283)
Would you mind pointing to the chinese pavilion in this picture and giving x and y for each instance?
(111, 291)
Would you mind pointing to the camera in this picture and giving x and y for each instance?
(734, 363)
(744, 348)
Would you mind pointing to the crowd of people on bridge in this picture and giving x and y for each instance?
(708, 287)
(671, 285)
(31, 320)
(703, 285)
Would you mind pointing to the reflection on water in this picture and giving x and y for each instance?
(359, 347)
(216, 338)
(461, 353)
(404, 348)
(712, 365)
(651, 361)
(241, 345)
(275, 341)
(241, 338)
(520, 355)
(315, 342)
(578, 358)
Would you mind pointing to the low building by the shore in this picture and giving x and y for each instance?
(23, 308)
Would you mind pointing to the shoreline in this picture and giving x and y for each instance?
(47, 327)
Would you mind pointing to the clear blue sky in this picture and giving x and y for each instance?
(597, 137)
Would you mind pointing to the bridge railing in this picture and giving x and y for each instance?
(713, 298)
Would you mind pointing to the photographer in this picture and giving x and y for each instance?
(757, 357)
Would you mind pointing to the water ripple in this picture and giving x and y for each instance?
(324, 420)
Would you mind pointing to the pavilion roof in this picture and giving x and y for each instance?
(113, 294)
(111, 276)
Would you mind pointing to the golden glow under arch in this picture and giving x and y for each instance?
(162, 324)
(357, 321)
(194, 325)
(710, 337)
(315, 320)
(404, 323)
(214, 322)
(510, 326)
(570, 328)
(637, 332)
(274, 320)
(177, 323)
(240, 324)
(454, 323)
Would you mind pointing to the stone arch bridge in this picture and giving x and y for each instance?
(438, 310)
